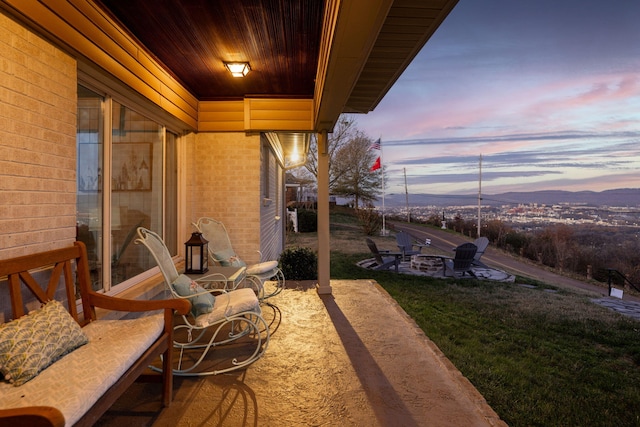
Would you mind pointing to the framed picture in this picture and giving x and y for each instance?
(131, 167)
(89, 171)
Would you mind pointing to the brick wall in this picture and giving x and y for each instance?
(37, 143)
(223, 182)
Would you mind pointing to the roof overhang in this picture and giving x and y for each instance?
(358, 49)
(366, 45)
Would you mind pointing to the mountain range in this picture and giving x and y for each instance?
(622, 197)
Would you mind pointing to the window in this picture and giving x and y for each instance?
(266, 169)
(133, 170)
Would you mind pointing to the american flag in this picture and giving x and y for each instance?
(377, 145)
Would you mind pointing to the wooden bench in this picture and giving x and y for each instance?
(58, 396)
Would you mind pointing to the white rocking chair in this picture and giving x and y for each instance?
(213, 320)
(222, 252)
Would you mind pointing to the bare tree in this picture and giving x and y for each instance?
(357, 181)
(344, 131)
(350, 161)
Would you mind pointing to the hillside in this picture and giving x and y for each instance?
(623, 197)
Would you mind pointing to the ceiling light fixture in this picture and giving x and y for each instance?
(238, 69)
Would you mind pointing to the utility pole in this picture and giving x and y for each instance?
(479, 193)
(406, 192)
(384, 227)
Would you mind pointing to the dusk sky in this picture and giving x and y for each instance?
(548, 91)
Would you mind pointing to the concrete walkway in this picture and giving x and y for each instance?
(351, 359)
(436, 270)
(627, 307)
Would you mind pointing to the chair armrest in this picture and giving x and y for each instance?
(387, 252)
(121, 304)
(34, 416)
(213, 277)
(207, 280)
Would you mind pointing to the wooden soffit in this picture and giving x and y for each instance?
(366, 45)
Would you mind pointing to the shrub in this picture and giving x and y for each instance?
(435, 220)
(299, 264)
(307, 221)
(515, 242)
(370, 220)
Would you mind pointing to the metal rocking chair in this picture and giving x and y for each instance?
(222, 252)
(217, 316)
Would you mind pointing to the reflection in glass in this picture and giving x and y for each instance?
(136, 189)
(89, 142)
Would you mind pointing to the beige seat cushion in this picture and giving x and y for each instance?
(230, 303)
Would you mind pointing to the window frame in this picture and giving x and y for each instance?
(169, 220)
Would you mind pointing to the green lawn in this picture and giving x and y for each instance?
(541, 356)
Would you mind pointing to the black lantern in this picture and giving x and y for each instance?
(197, 254)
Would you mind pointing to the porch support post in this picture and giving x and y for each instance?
(324, 250)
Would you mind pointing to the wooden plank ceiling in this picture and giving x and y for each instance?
(281, 39)
(193, 39)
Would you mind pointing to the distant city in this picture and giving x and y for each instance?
(619, 208)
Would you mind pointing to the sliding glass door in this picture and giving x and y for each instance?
(131, 170)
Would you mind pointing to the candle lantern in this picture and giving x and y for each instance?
(196, 254)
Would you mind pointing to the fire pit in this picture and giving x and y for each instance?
(427, 263)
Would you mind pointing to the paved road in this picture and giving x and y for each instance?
(446, 241)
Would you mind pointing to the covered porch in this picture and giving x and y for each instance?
(222, 143)
(350, 358)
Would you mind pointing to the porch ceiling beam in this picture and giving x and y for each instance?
(256, 115)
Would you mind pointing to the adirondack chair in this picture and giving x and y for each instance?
(462, 262)
(384, 262)
(406, 244)
(481, 243)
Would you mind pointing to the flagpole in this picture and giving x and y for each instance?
(384, 228)
(377, 145)
(406, 194)
(479, 193)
